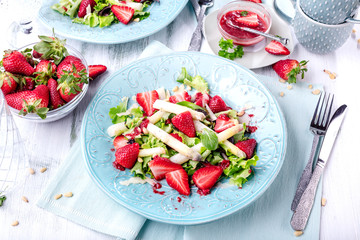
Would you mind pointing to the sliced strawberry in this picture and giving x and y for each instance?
(146, 101)
(216, 104)
(179, 181)
(247, 146)
(123, 13)
(201, 99)
(144, 124)
(161, 165)
(126, 156)
(206, 177)
(120, 141)
(185, 123)
(83, 5)
(248, 19)
(175, 135)
(276, 48)
(55, 98)
(255, 1)
(180, 97)
(96, 70)
(223, 122)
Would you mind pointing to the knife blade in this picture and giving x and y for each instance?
(303, 210)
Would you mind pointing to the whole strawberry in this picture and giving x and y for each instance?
(50, 48)
(72, 75)
(288, 69)
(26, 83)
(15, 62)
(44, 71)
(35, 101)
(127, 155)
(8, 82)
(55, 98)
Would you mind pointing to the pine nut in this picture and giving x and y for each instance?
(175, 89)
(241, 113)
(310, 86)
(282, 94)
(31, 171)
(323, 202)
(58, 196)
(15, 223)
(289, 87)
(24, 199)
(140, 160)
(316, 92)
(68, 194)
(298, 233)
(282, 80)
(42, 170)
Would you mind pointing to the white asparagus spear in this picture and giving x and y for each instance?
(173, 142)
(180, 158)
(211, 114)
(228, 133)
(177, 109)
(222, 137)
(116, 129)
(156, 117)
(151, 151)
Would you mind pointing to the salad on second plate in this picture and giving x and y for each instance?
(103, 13)
(184, 139)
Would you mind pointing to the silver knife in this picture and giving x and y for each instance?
(302, 212)
(196, 7)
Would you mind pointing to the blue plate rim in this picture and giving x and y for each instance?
(223, 214)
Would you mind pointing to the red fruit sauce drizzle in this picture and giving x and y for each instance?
(203, 192)
(137, 131)
(178, 199)
(157, 186)
(251, 115)
(224, 164)
(252, 129)
(168, 121)
(144, 124)
(118, 166)
(112, 149)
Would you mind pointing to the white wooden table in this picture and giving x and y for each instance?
(48, 144)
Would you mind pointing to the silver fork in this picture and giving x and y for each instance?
(318, 126)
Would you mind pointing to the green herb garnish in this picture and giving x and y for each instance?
(225, 45)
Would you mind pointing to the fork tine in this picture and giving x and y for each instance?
(323, 108)
(318, 121)
(316, 110)
(326, 123)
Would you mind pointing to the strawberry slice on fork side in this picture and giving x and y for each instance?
(146, 101)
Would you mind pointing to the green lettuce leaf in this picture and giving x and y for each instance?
(240, 177)
(191, 166)
(122, 107)
(240, 136)
(237, 164)
(231, 113)
(209, 139)
(106, 20)
(214, 158)
(141, 15)
(137, 112)
(190, 105)
(198, 83)
(184, 76)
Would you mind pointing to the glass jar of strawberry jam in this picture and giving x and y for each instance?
(243, 14)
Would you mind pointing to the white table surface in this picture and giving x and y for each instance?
(48, 144)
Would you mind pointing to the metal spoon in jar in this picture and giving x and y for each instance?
(284, 41)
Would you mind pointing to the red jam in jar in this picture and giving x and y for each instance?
(234, 18)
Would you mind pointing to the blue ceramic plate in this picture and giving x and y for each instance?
(160, 16)
(237, 85)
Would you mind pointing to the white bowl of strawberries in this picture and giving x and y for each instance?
(44, 81)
